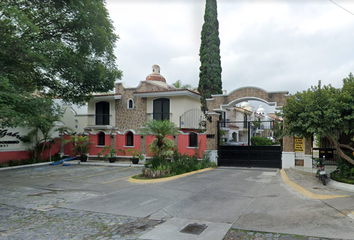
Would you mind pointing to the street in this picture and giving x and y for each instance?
(99, 202)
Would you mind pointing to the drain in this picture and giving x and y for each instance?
(194, 228)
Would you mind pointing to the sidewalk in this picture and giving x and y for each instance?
(312, 172)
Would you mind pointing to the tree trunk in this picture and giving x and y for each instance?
(339, 150)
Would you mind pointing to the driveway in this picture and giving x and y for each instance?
(209, 202)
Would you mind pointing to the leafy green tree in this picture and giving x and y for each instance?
(161, 145)
(209, 53)
(54, 48)
(178, 84)
(43, 123)
(322, 110)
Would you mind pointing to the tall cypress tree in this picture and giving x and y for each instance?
(209, 54)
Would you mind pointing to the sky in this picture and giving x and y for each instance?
(276, 45)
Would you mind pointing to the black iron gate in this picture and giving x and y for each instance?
(240, 152)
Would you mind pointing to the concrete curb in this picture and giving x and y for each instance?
(75, 162)
(341, 186)
(24, 166)
(306, 192)
(132, 180)
(331, 183)
(111, 164)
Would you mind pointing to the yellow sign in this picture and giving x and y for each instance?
(299, 144)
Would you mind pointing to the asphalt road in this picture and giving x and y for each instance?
(218, 199)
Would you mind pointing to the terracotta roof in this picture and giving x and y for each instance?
(243, 109)
(106, 94)
(172, 90)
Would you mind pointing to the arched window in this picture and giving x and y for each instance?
(101, 139)
(129, 139)
(193, 139)
(161, 109)
(234, 136)
(102, 113)
(130, 104)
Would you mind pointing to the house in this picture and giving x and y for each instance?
(115, 119)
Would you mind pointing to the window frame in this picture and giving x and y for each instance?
(129, 139)
(102, 113)
(101, 138)
(164, 112)
(130, 100)
(193, 140)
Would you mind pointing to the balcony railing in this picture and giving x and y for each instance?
(100, 120)
(159, 116)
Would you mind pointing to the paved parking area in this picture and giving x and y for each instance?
(98, 202)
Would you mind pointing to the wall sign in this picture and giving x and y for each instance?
(5, 133)
(299, 144)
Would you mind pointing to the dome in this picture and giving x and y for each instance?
(261, 110)
(155, 75)
(245, 105)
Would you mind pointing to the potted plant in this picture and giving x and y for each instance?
(81, 146)
(112, 155)
(136, 156)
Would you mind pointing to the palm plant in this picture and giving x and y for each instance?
(161, 145)
(178, 84)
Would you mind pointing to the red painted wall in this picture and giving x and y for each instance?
(183, 145)
(5, 157)
(121, 144)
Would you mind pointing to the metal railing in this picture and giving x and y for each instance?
(159, 116)
(100, 119)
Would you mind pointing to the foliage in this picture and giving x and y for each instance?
(181, 163)
(50, 49)
(344, 172)
(178, 84)
(209, 53)
(107, 151)
(261, 141)
(135, 153)
(81, 144)
(322, 110)
(161, 145)
(43, 123)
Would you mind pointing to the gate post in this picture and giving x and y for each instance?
(288, 155)
(212, 136)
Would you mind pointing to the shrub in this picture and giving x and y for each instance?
(344, 172)
(14, 162)
(261, 141)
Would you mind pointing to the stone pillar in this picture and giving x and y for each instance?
(288, 155)
(308, 152)
(212, 136)
(211, 129)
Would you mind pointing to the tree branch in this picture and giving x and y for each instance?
(339, 150)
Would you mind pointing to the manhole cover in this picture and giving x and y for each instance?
(194, 228)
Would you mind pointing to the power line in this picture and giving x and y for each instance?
(342, 7)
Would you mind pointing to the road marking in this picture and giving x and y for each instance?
(97, 174)
(116, 180)
(306, 192)
(148, 201)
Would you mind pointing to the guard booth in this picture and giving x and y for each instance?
(330, 155)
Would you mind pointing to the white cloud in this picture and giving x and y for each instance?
(272, 44)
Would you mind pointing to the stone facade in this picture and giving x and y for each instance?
(133, 118)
